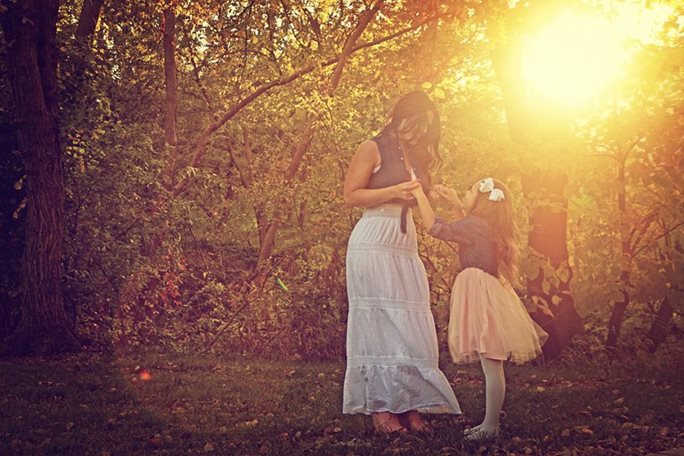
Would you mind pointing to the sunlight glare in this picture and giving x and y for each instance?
(574, 58)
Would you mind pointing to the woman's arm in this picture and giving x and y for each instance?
(360, 170)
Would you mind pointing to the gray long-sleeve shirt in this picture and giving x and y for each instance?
(474, 237)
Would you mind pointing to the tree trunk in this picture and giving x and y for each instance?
(550, 288)
(30, 31)
(506, 61)
(350, 43)
(269, 238)
(615, 322)
(87, 21)
(661, 325)
(547, 216)
(80, 59)
(620, 307)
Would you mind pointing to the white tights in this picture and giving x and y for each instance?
(495, 388)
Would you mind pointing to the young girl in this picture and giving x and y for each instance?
(488, 322)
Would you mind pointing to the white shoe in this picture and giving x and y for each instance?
(478, 433)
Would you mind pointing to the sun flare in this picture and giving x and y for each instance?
(574, 58)
(578, 55)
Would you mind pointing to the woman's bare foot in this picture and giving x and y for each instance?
(415, 422)
(386, 423)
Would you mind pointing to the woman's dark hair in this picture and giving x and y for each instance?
(417, 109)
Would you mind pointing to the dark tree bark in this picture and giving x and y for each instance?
(615, 321)
(548, 238)
(268, 242)
(350, 43)
(30, 31)
(631, 237)
(247, 179)
(620, 307)
(87, 21)
(661, 324)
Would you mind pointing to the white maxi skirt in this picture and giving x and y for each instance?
(392, 353)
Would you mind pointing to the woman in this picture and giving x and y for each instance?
(392, 352)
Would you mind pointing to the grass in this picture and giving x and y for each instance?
(169, 404)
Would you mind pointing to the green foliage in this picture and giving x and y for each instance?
(643, 236)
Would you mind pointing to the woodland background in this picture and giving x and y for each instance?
(171, 171)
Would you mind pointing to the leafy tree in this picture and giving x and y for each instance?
(541, 139)
(635, 138)
(205, 144)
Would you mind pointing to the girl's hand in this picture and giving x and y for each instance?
(418, 192)
(447, 194)
(405, 190)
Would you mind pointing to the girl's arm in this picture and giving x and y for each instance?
(451, 197)
(458, 230)
(360, 170)
(427, 214)
(462, 231)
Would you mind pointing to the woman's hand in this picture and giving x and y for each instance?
(405, 190)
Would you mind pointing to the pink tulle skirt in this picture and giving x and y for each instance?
(487, 318)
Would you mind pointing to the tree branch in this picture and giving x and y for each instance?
(655, 241)
(349, 45)
(203, 140)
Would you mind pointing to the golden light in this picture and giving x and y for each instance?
(578, 55)
(574, 57)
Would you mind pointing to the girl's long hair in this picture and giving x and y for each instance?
(499, 215)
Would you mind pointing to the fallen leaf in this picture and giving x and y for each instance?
(583, 429)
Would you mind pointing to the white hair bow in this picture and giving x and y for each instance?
(487, 186)
(496, 195)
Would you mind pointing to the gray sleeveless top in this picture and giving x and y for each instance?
(393, 171)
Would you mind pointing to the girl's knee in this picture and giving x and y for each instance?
(491, 365)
